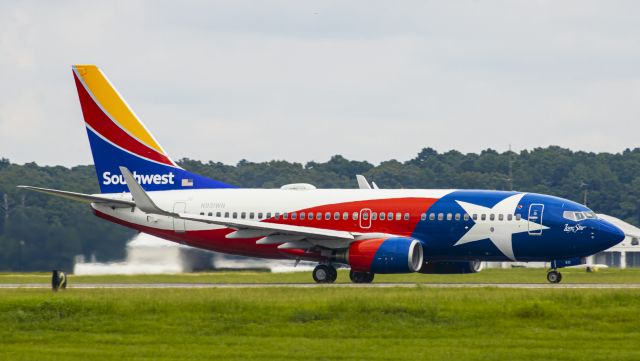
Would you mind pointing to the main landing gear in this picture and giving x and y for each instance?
(554, 276)
(361, 277)
(325, 273)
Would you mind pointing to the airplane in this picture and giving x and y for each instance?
(369, 229)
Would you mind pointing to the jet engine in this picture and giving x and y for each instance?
(453, 267)
(384, 255)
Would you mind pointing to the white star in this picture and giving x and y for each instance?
(499, 232)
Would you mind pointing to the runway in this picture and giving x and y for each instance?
(315, 285)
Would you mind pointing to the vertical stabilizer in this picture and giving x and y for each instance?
(118, 138)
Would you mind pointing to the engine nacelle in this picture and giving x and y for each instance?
(385, 255)
(446, 267)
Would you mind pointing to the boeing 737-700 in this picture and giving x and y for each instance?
(370, 230)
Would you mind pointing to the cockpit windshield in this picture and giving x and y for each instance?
(578, 216)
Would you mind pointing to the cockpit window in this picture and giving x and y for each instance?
(579, 216)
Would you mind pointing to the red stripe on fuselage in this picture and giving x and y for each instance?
(101, 123)
(414, 206)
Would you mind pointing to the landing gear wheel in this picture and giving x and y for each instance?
(554, 276)
(325, 273)
(361, 277)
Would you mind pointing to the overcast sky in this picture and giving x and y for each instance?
(304, 80)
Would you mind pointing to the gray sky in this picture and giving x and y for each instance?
(303, 80)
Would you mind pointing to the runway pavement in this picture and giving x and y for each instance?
(336, 285)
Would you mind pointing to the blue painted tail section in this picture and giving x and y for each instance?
(153, 176)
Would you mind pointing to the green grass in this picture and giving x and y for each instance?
(516, 275)
(320, 324)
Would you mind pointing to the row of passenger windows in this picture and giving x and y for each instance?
(390, 216)
(327, 216)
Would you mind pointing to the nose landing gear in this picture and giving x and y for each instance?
(325, 273)
(554, 276)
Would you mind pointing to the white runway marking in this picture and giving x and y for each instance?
(336, 285)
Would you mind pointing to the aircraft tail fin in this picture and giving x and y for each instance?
(118, 138)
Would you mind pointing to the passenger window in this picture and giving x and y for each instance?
(226, 214)
(382, 216)
(285, 216)
(260, 215)
(336, 216)
(390, 216)
(302, 216)
(218, 214)
(319, 216)
(432, 216)
(374, 216)
(277, 215)
(251, 215)
(509, 217)
(210, 214)
(327, 216)
(354, 216)
(423, 217)
(475, 217)
(294, 215)
(449, 216)
(483, 217)
(202, 213)
(268, 214)
(440, 216)
(345, 216)
(235, 214)
(406, 216)
(492, 217)
(457, 216)
(466, 217)
(518, 217)
(310, 217)
(398, 216)
(243, 215)
(365, 215)
(501, 217)
(634, 241)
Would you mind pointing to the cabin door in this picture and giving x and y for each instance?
(178, 224)
(365, 218)
(535, 219)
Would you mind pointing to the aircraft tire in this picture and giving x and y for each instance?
(554, 276)
(361, 277)
(322, 274)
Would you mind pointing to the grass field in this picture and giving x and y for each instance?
(320, 324)
(323, 323)
(516, 275)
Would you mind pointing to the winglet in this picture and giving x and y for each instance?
(362, 182)
(140, 197)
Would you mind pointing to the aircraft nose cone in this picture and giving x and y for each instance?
(610, 234)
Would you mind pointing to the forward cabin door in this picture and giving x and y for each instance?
(535, 219)
(365, 218)
(178, 224)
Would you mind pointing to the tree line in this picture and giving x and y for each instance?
(40, 232)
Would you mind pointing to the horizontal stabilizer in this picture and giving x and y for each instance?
(81, 197)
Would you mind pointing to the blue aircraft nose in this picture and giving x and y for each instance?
(609, 234)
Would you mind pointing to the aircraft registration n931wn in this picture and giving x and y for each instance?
(371, 230)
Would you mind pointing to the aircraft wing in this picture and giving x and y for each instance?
(86, 198)
(288, 236)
